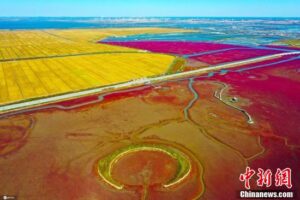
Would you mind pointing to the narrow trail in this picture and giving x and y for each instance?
(191, 103)
(101, 98)
(220, 97)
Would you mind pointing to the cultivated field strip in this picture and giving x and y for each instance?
(42, 43)
(32, 44)
(94, 35)
(36, 78)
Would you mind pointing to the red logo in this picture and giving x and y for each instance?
(264, 177)
(247, 176)
(282, 177)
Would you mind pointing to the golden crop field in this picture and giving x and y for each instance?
(41, 63)
(94, 35)
(290, 42)
(36, 78)
(43, 43)
(31, 44)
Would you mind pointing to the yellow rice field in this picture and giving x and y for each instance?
(43, 43)
(40, 63)
(36, 78)
(31, 44)
(290, 42)
(93, 35)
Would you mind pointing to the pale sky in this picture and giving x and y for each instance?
(144, 8)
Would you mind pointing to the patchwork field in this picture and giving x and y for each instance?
(176, 140)
(41, 63)
(176, 136)
(16, 45)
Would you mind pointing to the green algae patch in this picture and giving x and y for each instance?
(105, 165)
